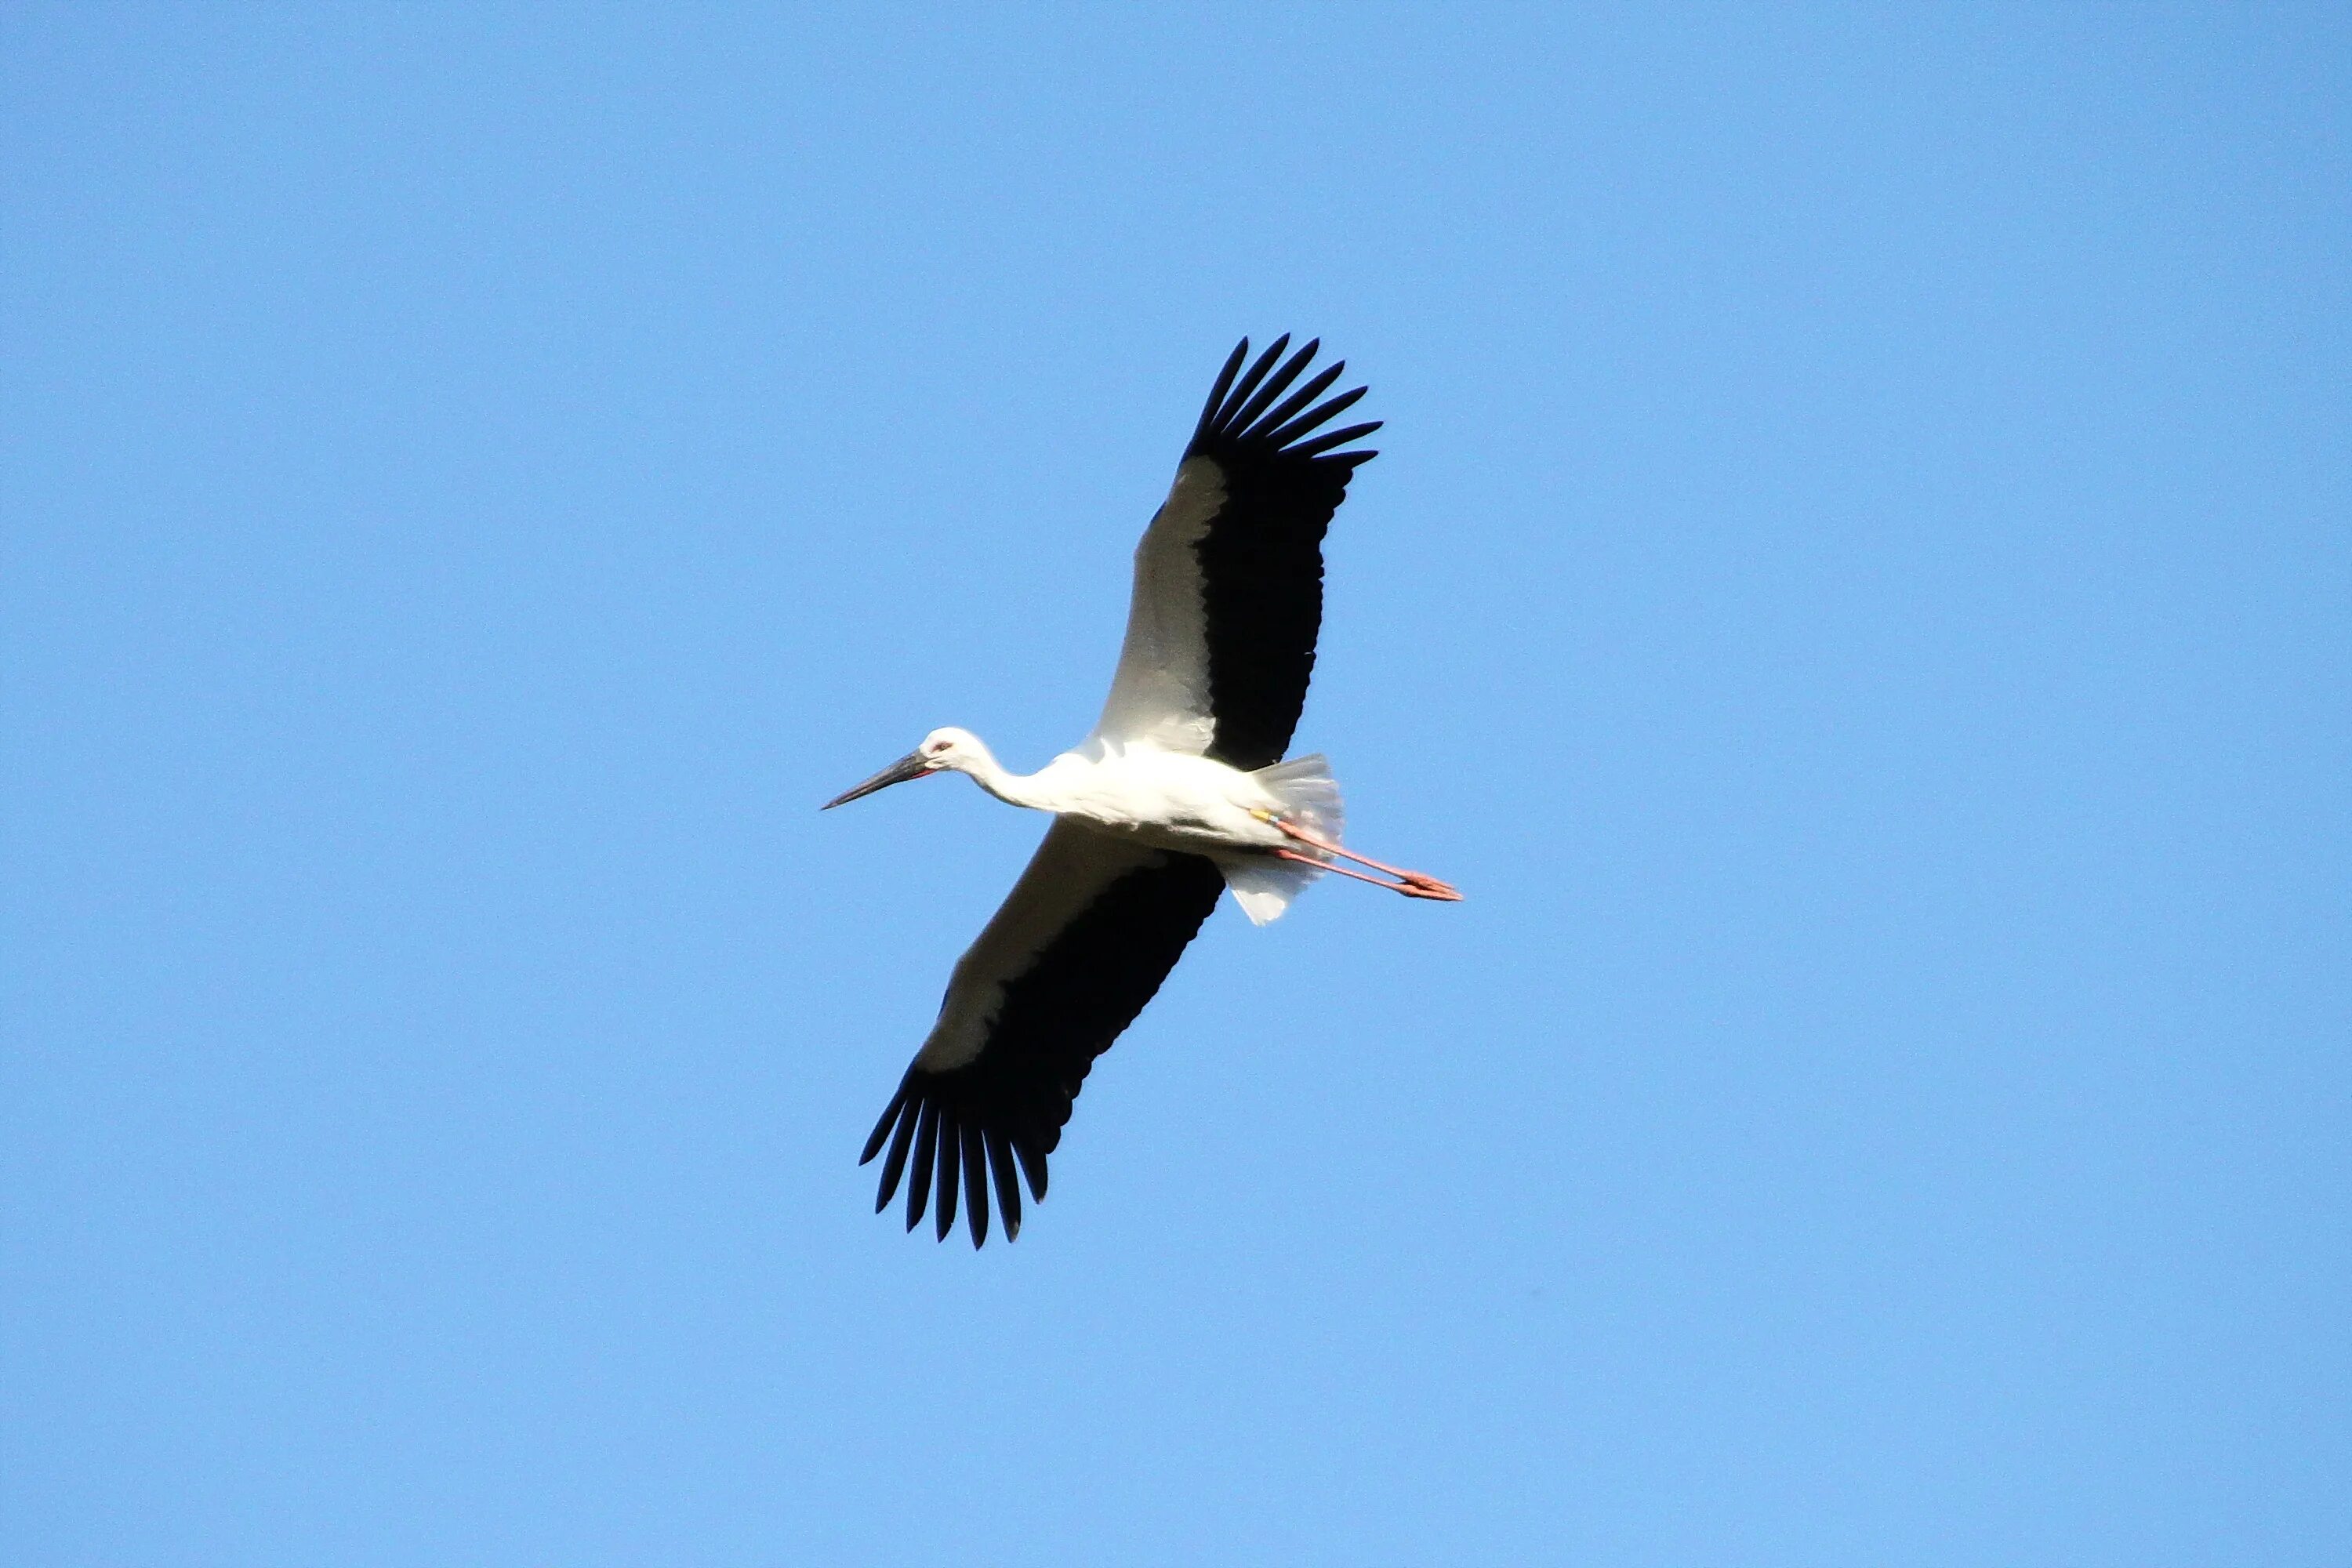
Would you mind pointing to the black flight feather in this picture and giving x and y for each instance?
(975, 1183)
(927, 1141)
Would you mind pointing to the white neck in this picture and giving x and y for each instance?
(1013, 789)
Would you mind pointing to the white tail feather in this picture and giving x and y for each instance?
(1263, 885)
(1310, 795)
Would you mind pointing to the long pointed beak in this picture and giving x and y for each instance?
(910, 766)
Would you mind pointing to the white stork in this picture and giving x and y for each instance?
(1180, 791)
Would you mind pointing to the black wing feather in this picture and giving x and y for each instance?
(1262, 555)
(1011, 1102)
(943, 1204)
(892, 1114)
(1340, 438)
(1247, 388)
(1274, 386)
(1321, 417)
(975, 1181)
(1008, 1181)
(906, 1114)
(919, 1190)
(1271, 423)
(1224, 385)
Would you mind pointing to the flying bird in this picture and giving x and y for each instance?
(1179, 793)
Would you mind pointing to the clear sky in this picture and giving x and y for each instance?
(1857, 588)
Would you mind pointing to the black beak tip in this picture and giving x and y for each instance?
(910, 766)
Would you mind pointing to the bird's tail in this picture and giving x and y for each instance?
(1310, 795)
(1264, 886)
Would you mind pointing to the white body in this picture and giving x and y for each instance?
(1148, 796)
(1169, 800)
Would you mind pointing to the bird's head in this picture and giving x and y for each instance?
(943, 751)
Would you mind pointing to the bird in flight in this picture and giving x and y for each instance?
(1181, 792)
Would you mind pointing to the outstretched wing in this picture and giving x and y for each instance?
(1229, 577)
(1081, 943)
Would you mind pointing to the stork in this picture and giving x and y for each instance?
(1179, 793)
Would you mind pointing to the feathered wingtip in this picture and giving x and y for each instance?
(1243, 410)
(953, 1156)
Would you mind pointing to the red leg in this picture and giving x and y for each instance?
(1414, 888)
(1426, 886)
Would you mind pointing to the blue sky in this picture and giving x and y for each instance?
(1856, 589)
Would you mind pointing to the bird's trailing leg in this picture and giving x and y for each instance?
(1412, 884)
(1421, 890)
